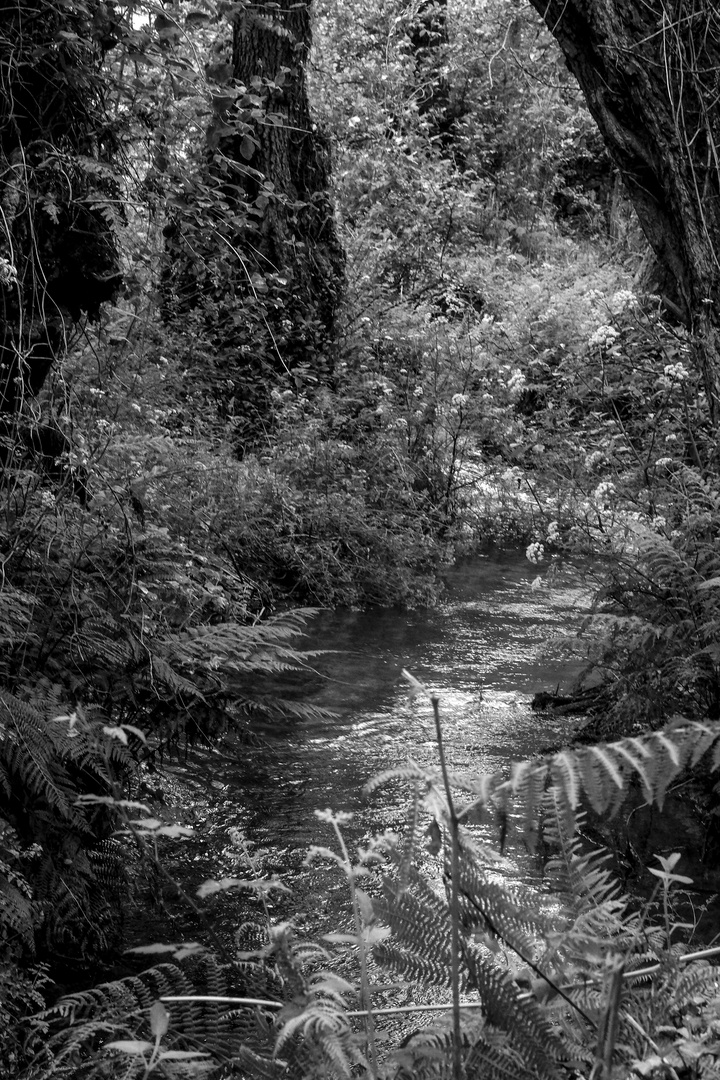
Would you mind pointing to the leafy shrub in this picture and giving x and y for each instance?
(584, 980)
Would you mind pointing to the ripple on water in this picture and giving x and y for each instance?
(485, 652)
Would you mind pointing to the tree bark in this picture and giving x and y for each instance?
(57, 245)
(650, 72)
(285, 168)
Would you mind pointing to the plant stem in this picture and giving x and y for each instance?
(607, 1036)
(365, 998)
(454, 890)
(393, 1010)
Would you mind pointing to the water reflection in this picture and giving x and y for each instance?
(487, 650)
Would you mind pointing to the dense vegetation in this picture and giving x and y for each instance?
(286, 326)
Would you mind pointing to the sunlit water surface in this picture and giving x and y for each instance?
(486, 651)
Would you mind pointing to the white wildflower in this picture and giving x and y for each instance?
(603, 337)
(8, 273)
(517, 381)
(593, 460)
(677, 372)
(621, 300)
(604, 493)
(535, 552)
(459, 400)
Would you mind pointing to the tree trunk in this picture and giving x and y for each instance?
(437, 99)
(285, 170)
(57, 246)
(649, 70)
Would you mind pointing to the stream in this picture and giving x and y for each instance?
(486, 651)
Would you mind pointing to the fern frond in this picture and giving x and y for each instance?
(528, 787)
(17, 914)
(410, 843)
(28, 760)
(256, 1065)
(175, 683)
(419, 920)
(194, 1025)
(411, 771)
(488, 1061)
(411, 966)
(700, 979)
(573, 870)
(519, 1016)
(511, 915)
(701, 738)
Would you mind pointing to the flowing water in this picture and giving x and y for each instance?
(486, 651)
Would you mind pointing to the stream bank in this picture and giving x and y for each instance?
(486, 650)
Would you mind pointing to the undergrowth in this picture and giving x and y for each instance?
(564, 976)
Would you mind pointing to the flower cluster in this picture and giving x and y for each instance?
(516, 382)
(622, 299)
(677, 372)
(604, 493)
(594, 460)
(535, 552)
(603, 337)
(8, 273)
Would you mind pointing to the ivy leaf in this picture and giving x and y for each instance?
(248, 147)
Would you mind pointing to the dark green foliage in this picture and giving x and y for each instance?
(79, 1024)
(177, 481)
(510, 939)
(531, 1033)
(60, 194)
(62, 876)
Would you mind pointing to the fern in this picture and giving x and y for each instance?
(495, 1061)
(18, 915)
(79, 1023)
(76, 877)
(564, 951)
(418, 918)
(509, 914)
(31, 769)
(530, 1031)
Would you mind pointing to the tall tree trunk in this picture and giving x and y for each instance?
(285, 170)
(650, 71)
(57, 245)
